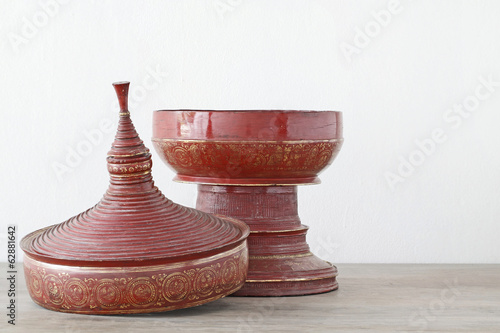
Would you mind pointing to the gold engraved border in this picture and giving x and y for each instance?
(130, 290)
(128, 168)
(248, 156)
(293, 280)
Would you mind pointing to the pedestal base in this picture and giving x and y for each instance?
(288, 275)
(281, 263)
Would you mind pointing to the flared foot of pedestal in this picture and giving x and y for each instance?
(289, 276)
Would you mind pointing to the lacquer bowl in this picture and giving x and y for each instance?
(248, 164)
(247, 147)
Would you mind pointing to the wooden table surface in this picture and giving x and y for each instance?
(371, 298)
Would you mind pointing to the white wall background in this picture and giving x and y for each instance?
(396, 85)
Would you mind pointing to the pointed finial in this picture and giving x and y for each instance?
(122, 93)
(128, 155)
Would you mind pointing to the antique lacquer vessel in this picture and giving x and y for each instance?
(248, 165)
(135, 251)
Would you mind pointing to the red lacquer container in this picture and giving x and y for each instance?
(248, 165)
(135, 251)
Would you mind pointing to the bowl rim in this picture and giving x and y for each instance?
(249, 110)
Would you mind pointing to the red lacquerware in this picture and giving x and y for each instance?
(135, 251)
(248, 164)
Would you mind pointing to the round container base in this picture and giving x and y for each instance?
(110, 290)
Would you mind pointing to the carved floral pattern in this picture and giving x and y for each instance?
(204, 158)
(128, 292)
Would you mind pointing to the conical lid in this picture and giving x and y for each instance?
(134, 223)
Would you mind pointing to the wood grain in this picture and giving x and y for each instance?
(371, 298)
